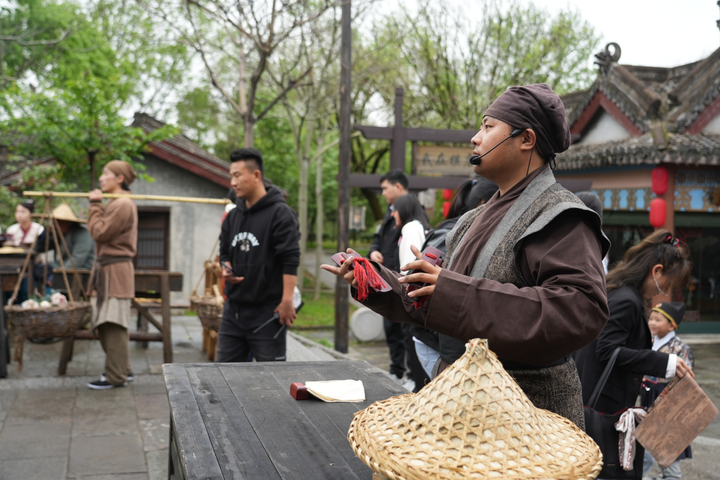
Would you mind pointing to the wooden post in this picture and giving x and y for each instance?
(669, 197)
(342, 289)
(167, 329)
(397, 152)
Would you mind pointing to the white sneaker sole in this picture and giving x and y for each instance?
(129, 379)
(105, 387)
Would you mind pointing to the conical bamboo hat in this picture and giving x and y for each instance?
(472, 421)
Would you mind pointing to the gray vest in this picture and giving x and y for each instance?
(538, 205)
(541, 202)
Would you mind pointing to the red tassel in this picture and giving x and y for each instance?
(366, 277)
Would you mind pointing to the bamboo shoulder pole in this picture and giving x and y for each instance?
(163, 198)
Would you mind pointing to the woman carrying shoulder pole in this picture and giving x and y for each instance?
(114, 228)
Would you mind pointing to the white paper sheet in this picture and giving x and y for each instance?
(338, 390)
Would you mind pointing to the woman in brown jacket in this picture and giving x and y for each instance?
(114, 228)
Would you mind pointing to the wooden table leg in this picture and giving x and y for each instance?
(66, 355)
(167, 328)
(142, 326)
(4, 338)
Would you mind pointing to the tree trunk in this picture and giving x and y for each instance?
(319, 221)
(303, 187)
(249, 130)
(374, 204)
(93, 178)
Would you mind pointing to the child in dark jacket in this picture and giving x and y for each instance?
(664, 320)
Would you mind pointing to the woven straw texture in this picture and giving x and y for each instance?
(208, 311)
(49, 322)
(472, 421)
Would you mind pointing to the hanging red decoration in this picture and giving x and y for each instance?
(447, 193)
(659, 180)
(446, 208)
(658, 212)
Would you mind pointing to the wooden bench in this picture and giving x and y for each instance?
(148, 284)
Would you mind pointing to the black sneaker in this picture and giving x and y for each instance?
(104, 385)
(130, 378)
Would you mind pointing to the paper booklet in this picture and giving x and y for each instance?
(338, 390)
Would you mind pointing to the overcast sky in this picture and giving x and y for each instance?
(659, 33)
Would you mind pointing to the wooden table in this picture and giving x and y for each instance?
(10, 267)
(148, 284)
(239, 421)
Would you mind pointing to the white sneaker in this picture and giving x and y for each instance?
(409, 385)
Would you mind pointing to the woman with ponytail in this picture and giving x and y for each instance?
(652, 267)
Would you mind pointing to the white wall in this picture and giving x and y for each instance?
(603, 129)
(713, 126)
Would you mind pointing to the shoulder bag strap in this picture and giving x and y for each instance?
(603, 379)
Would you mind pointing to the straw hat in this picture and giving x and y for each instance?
(64, 212)
(472, 421)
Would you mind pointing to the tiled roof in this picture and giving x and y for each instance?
(674, 96)
(182, 152)
(643, 150)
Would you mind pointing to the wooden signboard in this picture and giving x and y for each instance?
(675, 419)
(442, 160)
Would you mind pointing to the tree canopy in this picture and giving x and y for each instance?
(229, 73)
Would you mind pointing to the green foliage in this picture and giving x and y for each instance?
(78, 125)
(42, 177)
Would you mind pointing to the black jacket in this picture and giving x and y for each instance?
(627, 328)
(386, 242)
(261, 243)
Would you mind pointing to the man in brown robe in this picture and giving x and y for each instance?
(525, 269)
(114, 229)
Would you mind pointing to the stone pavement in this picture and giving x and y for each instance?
(53, 427)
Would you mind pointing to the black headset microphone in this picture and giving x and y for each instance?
(475, 159)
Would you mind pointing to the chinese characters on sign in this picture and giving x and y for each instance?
(440, 160)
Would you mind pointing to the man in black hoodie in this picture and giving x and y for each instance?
(260, 254)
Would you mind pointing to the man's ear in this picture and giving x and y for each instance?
(528, 139)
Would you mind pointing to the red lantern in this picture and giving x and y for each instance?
(447, 193)
(659, 180)
(446, 208)
(657, 212)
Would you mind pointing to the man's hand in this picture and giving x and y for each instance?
(344, 270)
(428, 275)
(287, 312)
(95, 195)
(376, 256)
(682, 369)
(229, 277)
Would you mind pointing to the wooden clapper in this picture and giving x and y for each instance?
(675, 419)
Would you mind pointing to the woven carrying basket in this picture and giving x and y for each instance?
(208, 311)
(49, 322)
(472, 421)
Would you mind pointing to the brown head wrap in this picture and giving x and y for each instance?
(538, 108)
(119, 167)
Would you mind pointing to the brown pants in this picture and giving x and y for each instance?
(115, 341)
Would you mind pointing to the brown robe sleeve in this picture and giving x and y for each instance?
(565, 310)
(106, 223)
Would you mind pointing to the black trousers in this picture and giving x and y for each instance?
(395, 337)
(237, 338)
(416, 371)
